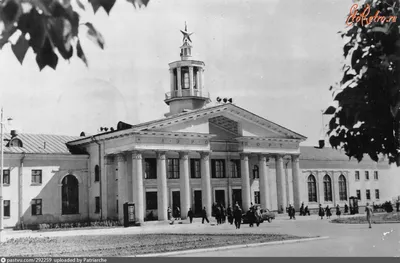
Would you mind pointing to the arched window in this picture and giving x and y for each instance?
(256, 172)
(70, 195)
(96, 173)
(312, 189)
(342, 188)
(327, 188)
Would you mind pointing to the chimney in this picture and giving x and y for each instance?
(14, 133)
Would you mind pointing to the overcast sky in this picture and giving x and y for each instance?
(274, 58)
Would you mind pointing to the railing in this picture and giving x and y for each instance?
(187, 93)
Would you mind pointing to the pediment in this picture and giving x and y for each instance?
(227, 121)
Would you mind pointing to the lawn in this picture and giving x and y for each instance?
(376, 219)
(127, 245)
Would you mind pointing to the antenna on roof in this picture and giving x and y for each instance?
(321, 142)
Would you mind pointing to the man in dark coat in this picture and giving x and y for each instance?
(302, 210)
(204, 216)
(321, 211)
(230, 215)
(237, 213)
(190, 215)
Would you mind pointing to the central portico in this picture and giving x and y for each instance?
(196, 156)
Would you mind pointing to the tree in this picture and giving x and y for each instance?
(367, 119)
(48, 26)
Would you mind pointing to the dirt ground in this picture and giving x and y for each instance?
(127, 245)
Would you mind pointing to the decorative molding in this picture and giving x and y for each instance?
(136, 155)
(184, 155)
(121, 157)
(205, 156)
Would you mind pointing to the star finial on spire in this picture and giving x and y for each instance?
(186, 34)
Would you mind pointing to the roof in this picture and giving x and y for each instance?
(325, 154)
(40, 143)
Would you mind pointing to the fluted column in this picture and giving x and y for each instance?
(202, 80)
(206, 182)
(296, 182)
(122, 185)
(280, 182)
(137, 185)
(185, 184)
(287, 186)
(191, 80)
(162, 196)
(179, 79)
(244, 166)
(263, 172)
(108, 200)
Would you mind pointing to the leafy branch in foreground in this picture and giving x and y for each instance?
(48, 26)
(367, 119)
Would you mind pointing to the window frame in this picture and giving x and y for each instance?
(328, 195)
(34, 204)
(150, 168)
(7, 208)
(312, 191)
(96, 173)
(6, 174)
(173, 169)
(358, 194)
(34, 176)
(153, 205)
(195, 168)
(257, 196)
(377, 194)
(368, 194)
(218, 168)
(366, 175)
(376, 176)
(357, 175)
(256, 172)
(342, 188)
(97, 204)
(235, 168)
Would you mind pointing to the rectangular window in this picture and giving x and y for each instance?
(173, 168)
(257, 197)
(368, 194)
(6, 208)
(376, 177)
(36, 176)
(235, 169)
(377, 194)
(6, 177)
(36, 207)
(358, 194)
(357, 175)
(150, 168)
(366, 175)
(151, 200)
(195, 171)
(218, 168)
(97, 203)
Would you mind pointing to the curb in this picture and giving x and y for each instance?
(182, 252)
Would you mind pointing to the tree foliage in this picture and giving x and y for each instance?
(367, 119)
(48, 26)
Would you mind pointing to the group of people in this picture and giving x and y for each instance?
(234, 214)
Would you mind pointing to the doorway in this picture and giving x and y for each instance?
(220, 197)
(197, 203)
(176, 202)
(237, 197)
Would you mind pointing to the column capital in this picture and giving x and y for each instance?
(205, 155)
(279, 157)
(295, 157)
(184, 155)
(263, 157)
(161, 155)
(121, 157)
(244, 156)
(190, 68)
(108, 159)
(136, 155)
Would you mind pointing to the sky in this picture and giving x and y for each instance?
(275, 58)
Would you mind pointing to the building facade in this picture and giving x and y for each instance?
(196, 156)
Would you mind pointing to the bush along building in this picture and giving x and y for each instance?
(195, 156)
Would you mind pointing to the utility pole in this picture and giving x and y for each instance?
(1, 179)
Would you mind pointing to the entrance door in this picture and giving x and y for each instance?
(176, 201)
(237, 197)
(220, 197)
(197, 202)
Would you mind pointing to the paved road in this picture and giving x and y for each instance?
(344, 240)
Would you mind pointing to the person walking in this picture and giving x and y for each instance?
(346, 209)
(237, 213)
(230, 215)
(328, 212)
(338, 210)
(321, 212)
(369, 213)
(190, 215)
(204, 215)
(306, 211)
(302, 209)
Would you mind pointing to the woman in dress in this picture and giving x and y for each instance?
(328, 212)
(321, 212)
(338, 210)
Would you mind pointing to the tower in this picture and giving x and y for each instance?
(187, 81)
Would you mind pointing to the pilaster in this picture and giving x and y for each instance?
(244, 166)
(185, 184)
